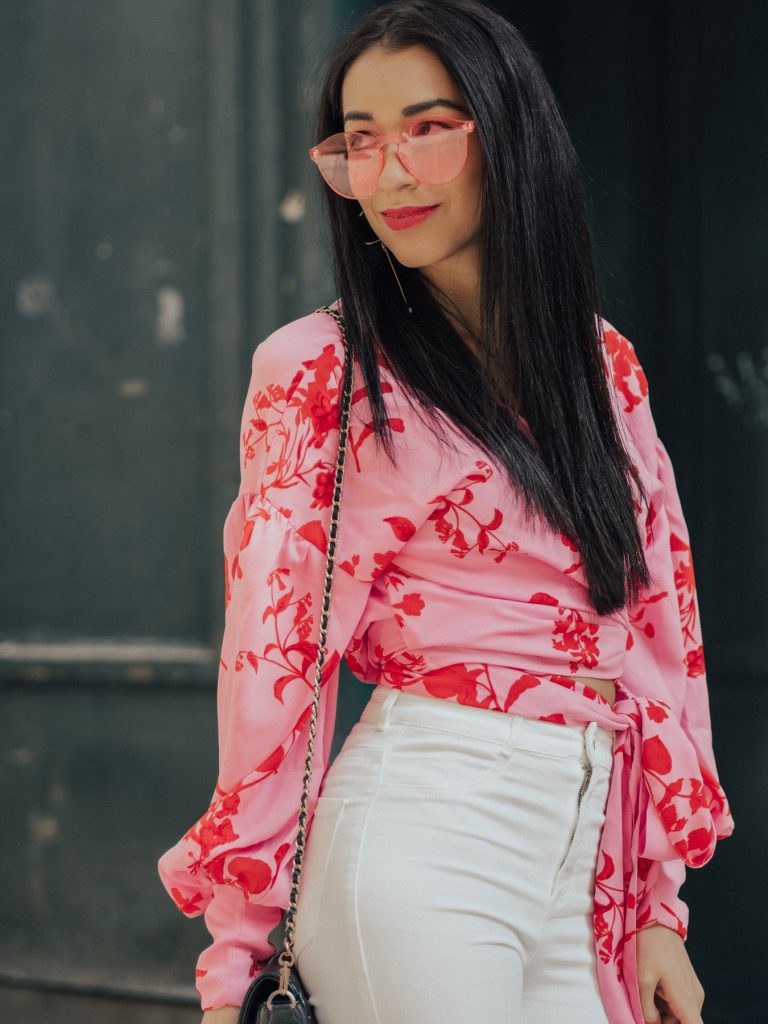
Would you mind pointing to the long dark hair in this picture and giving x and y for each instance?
(540, 351)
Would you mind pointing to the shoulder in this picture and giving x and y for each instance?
(630, 388)
(627, 374)
(297, 374)
(289, 429)
(310, 343)
(293, 393)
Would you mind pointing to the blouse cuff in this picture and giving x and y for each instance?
(240, 948)
(660, 903)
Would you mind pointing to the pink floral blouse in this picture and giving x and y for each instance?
(437, 537)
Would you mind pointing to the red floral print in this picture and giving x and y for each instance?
(428, 541)
(457, 525)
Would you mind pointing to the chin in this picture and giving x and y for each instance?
(416, 257)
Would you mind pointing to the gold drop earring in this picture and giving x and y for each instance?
(373, 242)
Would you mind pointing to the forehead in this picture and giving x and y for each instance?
(381, 83)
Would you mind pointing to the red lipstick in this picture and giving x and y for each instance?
(401, 217)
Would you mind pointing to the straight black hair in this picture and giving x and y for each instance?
(540, 337)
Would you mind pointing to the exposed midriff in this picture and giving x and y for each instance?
(606, 687)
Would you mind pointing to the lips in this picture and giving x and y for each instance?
(406, 211)
(401, 217)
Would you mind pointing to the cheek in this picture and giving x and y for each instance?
(475, 176)
(466, 204)
(468, 190)
(474, 183)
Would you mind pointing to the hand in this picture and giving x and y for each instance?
(670, 992)
(221, 1015)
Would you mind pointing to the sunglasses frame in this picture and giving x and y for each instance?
(398, 137)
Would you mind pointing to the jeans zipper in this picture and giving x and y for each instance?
(582, 790)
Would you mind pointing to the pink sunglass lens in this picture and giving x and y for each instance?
(436, 158)
(351, 173)
(353, 170)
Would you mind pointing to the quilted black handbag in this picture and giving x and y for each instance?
(277, 995)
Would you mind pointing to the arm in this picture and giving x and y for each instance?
(234, 864)
(666, 652)
(661, 903)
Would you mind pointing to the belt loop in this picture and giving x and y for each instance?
(590, 748)
(513, 737)
(386, 706)
(595, 737)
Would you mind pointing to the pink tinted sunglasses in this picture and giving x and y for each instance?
(433, 150)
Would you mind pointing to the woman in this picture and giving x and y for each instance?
(504, 833)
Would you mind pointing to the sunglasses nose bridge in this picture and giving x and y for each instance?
(388, 145)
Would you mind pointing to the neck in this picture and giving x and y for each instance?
(455, 284)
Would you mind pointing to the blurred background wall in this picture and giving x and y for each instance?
(160, 217)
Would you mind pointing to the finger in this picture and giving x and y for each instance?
(684, 1007)
(647, 1003)
(666, 1014)
(680, 999)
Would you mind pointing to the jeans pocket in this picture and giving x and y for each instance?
(321, 842)
(430, 762)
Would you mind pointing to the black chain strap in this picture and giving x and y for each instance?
(287, 957)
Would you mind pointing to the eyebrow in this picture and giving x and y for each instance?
(414, 108)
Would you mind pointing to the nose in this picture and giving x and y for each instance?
(393, 171)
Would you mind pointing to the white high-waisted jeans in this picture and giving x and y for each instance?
(449, 871)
